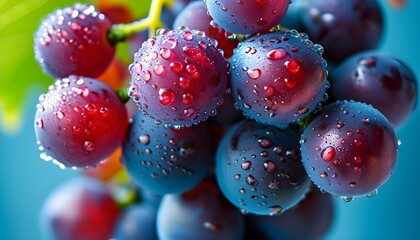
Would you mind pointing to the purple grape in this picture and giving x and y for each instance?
(137, 222)
(79, 122)
(201, 213)
(81, 209)
(311, 218)
(74, 41)
(343, 27)
(247, 17)
(195, 16)
(179, 77)
(278, 78)
(166, 160)
(379, 79)
(350, 149)
(259, 169)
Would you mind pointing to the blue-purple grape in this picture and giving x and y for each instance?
(201, 213)
(343, 27)
(259, 169)
(379, 79)
(165, 160)
(74, 41)
(79, 122)
(311, 218)
(195, 16)
(179, 77)
(349, 149)
(247, 17)
(278, 78)
(137, 222)
(81, 209)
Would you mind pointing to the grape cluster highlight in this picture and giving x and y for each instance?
(224, 124)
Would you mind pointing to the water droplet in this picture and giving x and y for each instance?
(91, 108)
(366, 121)
(188, 36)
(352, 184)
(275, 210)
(60, 114)
(290, 82)
(328, 154)
(167, 54)
(357, 159)
(238, 176)
(250, 180)
(104, 111)
(40, 123)
(166, 96)
(242, 190)
(176, 67)
(274, 185)
(373, 193)
(189, 112)
(146, 75)
(278, 150)
(276, 54)
(193, 52)
(323, 175)
(246, 165)
(268, 90)
(357, 142)
(159, 70)
(265, 142)
(292, 66)
(270, 166)
(347, 199)
(254, 74)
(88, 145)
(187, 98)
(144, 139)
(340, 124)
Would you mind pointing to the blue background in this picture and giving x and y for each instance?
(26, 180)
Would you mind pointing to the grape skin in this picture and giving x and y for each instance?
(73, 41)
(79, 122)
(349, 149)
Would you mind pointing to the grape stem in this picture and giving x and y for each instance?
(119, 32)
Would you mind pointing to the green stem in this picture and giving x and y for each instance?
(119, 32)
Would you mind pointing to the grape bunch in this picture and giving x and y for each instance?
(229, 125)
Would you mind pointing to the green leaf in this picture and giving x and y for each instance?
(20, 74)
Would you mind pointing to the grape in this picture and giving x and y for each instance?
(259, 169)
(278, 78)
(170, 73)
(379, 79)
(312, 218)
(81, 209)
(79, 122)
(73, 41)
(343, 27)
(166, 160)
(209, 216)
(194, 16)
(350, 149)
(136, 223)
(247, 17)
